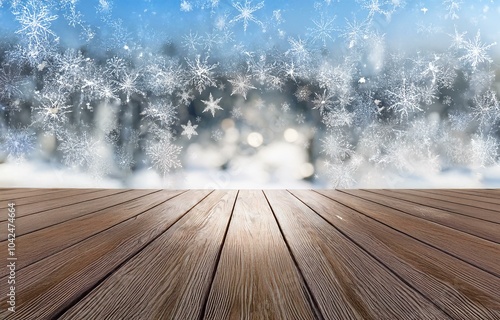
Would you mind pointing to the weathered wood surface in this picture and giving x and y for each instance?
(253, 254)
(454, 208)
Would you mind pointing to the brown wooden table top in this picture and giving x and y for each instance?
(252, 254)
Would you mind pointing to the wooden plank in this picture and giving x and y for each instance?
(470, 204)
(256, 277)
(478, 213)
(29, 223)
(173, 274)
(347, 282)
(474, 199)
(476, 251)
(460, 289)
(42, 243)
(483, 193)
(64, 202)
(480, 228)
(46, 196)
(16, 194)
(45, 289)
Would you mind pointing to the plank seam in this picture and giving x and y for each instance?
(423, 218)
(46, 200)
(421, 241)
(58, 314)
(74, 244)
(83, 215)
(312, 301)
(370, 254)
(484, 198)
(216, 266)
(460, 204)
(431, 206)
(42, 211)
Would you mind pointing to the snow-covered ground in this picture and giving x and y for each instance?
(40, 175)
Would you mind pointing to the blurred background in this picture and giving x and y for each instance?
(249, 94)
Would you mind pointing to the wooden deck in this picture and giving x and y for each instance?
(249, 254)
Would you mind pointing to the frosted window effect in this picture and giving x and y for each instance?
(249, 94)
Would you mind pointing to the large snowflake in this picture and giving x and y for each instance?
(246, 11)
(200, 73)
(212, 105)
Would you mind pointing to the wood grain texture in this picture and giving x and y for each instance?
(64, 202)
(348, 282)
(42, 243)
(48, 287)
(477, 213)
(256, 277)
(475, 200)
(476, 251)
(17, 193)
(460, 289)
(171, 277)
(29, 223)
(465, 203)
(485, 194)
(480, 228)
(49, 195)
(158, 254)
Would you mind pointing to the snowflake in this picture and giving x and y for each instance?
(241, 85)
(338, 118)
(18, 143)
(355, 32)
(35, 19)
(323, 101)
(405, 99)
(246, 13)
(162, 111)
(128, 84)
(300, 118)
(124, 159)
(483, 151)
(200, 73)
(475, 51)
(264, 72)
(452, 8)
(116, 66)
(217, 135)
(79, 150)
(189, 130)
(285, 107)
(10, 82)
(212, 105)
(191, 41)
(236, 113)
(105, 6)
(302, 93)
(298, 49)
(52, 108)
(186, 6)
(336, 147)
(375, 6)
(486, 107)
(163, 155)
(163, 77)
(340, 175)
(185, 96)
(322, 30)
(457, 39)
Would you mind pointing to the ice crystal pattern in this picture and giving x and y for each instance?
(101, 88)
